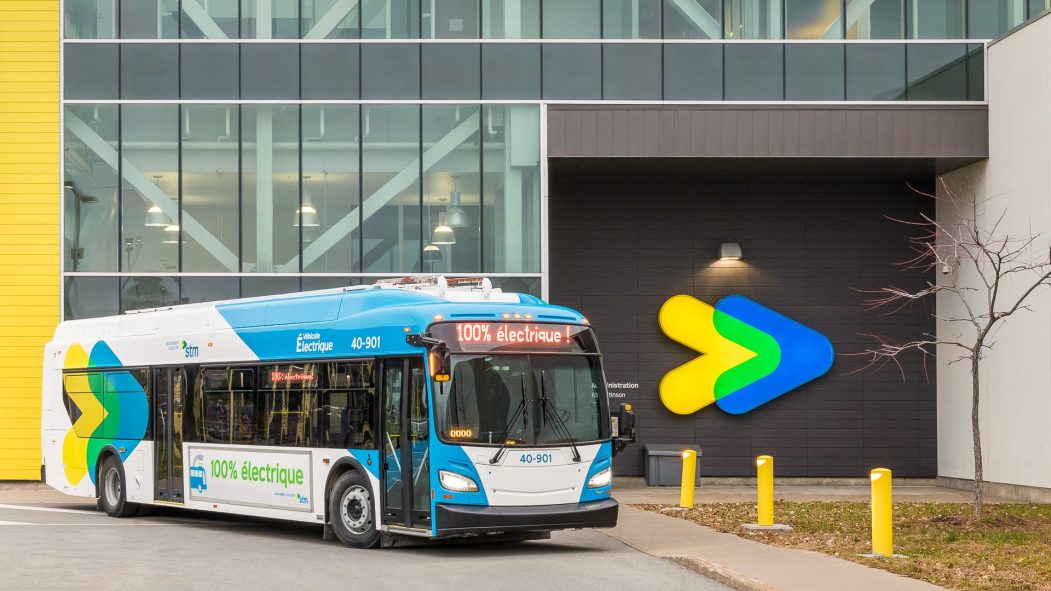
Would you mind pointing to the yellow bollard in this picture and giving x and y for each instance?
(882, 513)
(764, 466)
(689, 475)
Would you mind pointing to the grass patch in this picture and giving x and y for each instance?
(1007, 549)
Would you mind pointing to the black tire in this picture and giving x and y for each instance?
(113, 497)
(351, 511)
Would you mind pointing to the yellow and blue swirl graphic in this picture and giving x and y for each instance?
(108, 408)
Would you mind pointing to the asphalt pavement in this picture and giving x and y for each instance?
(50, 545)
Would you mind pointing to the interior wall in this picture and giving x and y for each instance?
(627, 234)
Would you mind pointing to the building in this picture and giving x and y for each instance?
(594, 152)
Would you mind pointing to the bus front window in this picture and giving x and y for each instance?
(520, 398)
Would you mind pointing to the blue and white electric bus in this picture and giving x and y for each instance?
(399, 409)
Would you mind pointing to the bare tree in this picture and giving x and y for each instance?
(1008, 270)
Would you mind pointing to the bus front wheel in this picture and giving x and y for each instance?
(351, 512)
(113, 491)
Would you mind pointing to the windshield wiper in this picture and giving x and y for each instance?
(504, 443)
(558, 423)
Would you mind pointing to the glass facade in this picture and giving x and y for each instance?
(545, 19)
(322, 193)
(349, 140)
(813, 19)
(692, 19)
(875, 19)
(936, 19)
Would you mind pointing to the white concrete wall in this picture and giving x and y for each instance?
(1016, 382)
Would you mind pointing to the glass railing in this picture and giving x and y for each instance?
(607, 71)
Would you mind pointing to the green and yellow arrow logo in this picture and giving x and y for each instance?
(733, 354)
(750, 354)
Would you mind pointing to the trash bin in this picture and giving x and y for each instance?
(664, 464)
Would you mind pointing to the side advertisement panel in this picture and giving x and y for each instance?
(278, 479)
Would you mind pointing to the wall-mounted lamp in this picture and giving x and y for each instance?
(730, 251)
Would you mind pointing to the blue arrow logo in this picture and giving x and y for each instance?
(806, 354)
(751, 354)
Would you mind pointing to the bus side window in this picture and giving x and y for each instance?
(287, 396)
(349, 406)
(229, 406)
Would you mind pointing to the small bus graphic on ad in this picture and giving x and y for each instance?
(198, 478)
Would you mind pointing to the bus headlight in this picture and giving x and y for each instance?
(601, 478)
(456, 482)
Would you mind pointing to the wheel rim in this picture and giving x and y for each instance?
(112, 487)
(355, 510)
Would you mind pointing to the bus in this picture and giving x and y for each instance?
(415, 408)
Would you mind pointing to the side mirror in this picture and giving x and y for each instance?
(440, 361)
(623, 428)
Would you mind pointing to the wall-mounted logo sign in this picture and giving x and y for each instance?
(749, 354)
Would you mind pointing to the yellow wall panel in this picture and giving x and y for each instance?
(20, 398)
(9, 455)
(29, 221)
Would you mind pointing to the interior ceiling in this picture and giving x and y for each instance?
(212, 188)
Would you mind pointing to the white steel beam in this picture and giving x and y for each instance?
(202, 19)
(328, 23)
(391, 189)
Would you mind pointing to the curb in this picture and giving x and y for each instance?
(713, 571)
(23, 485)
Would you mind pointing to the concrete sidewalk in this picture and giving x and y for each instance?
(746, 565)
(633, 490)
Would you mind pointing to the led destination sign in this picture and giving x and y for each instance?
(505, 334)
(515, 336)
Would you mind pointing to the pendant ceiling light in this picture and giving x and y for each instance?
(306, 214)
(155, 218)
(432, 254)
(455, 217)
(171, 234)
(443, 234)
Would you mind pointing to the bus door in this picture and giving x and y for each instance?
(169, 396)
(406, 453)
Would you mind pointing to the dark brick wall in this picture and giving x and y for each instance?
(623, 240)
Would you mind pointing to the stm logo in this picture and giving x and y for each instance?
(748, 354)
(189, 351)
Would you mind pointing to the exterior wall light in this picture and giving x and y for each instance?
(730, 251)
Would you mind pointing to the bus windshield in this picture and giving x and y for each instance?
(516, 398)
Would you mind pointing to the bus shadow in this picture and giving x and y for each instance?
(309, 533)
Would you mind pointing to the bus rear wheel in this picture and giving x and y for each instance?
(351, 512)
(113, 490)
